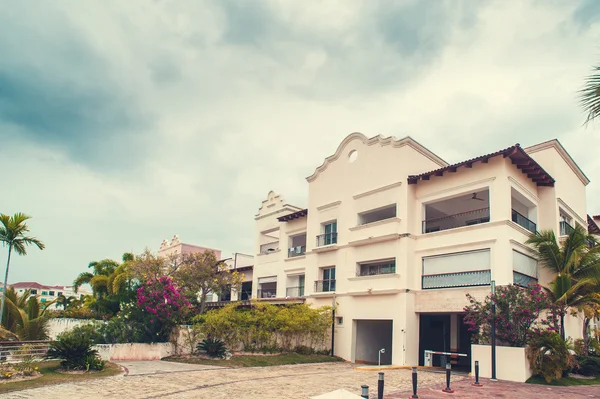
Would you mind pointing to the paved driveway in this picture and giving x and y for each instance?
(146, 380)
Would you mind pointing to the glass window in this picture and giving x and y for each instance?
(44, 292)
(51, 293)
(33, 292)
(375, 268)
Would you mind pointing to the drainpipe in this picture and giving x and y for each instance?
(333, 327)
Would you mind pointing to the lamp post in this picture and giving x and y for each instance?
(493, 330)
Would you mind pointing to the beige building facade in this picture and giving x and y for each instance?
(395, 237)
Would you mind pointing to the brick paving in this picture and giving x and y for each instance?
(500, 389)
(150, 380)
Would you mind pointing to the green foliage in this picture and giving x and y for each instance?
(517, 310)
(75, 352)
(589, 95)
(587, 365)
(24, 316)
(213, 347)
(91, 331)
(266, 327)
(549, 356)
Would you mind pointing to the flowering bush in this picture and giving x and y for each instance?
(162, 300)
(517, 311)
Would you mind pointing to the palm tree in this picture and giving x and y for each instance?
(65, 302)
(590, 95)
(576, 264)
(99, 279)
(25, 317)
(12, 234)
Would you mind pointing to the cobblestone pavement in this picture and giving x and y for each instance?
(148, 380)
(281, 382)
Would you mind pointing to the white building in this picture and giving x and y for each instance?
(396, 237)
(49, 293)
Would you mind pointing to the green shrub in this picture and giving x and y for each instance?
(304, 350)
(549, 356)
(93, 332)
(213, 347)
(75, 352)
(587, 365)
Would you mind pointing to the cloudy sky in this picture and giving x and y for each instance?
(125, 122)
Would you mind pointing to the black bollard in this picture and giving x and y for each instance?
(414, 383)
(380, 386)
(448, 389)
(365, 391)
(477, 383)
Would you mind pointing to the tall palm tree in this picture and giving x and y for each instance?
(590, 95)
(576, 263)
(13, 230)
(64, 301)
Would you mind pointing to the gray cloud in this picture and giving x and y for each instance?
(133, 121)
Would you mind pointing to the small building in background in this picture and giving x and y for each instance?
(47, 294)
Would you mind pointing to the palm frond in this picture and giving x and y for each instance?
(83, 278)
(589, 96)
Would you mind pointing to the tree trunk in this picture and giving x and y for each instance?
(586, 336)
(5, 282)
(202, 301)
(562, 326)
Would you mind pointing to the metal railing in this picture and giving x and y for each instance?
(18, 351)
(566, 228)
(523, 280)
(269, 247)
(296, 251)
(325, 285)
(468, 218)
(523, 221)
(270, 293)
(327, 239)
(460, 279)
(294, 291)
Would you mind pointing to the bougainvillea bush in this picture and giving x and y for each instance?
(161, 306)
(518, 311)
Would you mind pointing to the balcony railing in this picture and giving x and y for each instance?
(294, 292)
(270, 293)
(461, 279)
(566, 228)
(523, 280)
(468, 218)
(296, 251)
(523, 221)
(269, 247)
(325, 286)
(327, 239)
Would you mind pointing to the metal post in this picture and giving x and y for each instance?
(448, 372)
(494, 331)
(365, 391)
(477, 383)
(380, 386)
(414, 384)
(382, 350)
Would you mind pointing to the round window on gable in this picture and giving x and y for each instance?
(352, 155)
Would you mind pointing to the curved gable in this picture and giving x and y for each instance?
(382, 141)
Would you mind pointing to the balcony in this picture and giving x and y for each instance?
(566, 228)
(266, 293)
(523, 221)
(294, 292)
(297, 251)
(269, 247)
(325, 285)
(453, 280)
(327, 239)
(467, 218)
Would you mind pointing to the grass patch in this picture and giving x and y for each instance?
(51, 377)
(257, 361)
(564, 382)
